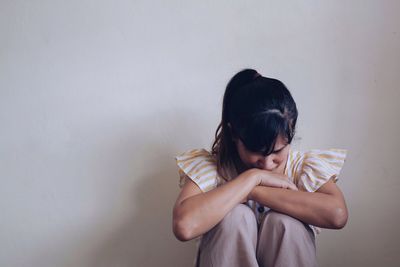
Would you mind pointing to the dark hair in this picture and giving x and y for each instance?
(256, 110)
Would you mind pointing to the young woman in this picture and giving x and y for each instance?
(252, 200)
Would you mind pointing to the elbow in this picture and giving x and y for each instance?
(181, 231)
(339, 218)
(182, 228)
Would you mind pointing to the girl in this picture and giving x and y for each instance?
(254, 201)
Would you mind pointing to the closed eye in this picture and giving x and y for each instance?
(276, 151)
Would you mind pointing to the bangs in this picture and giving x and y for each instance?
(259, 133)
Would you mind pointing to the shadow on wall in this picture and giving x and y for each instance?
(145, 237)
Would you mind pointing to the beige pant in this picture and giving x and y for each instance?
(237, 241)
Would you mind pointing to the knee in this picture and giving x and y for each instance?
(284, 222)
(240, 216)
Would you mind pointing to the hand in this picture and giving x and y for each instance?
(268, 178)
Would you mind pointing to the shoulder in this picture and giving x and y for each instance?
(196, 152)
(311, 169)
(200, 166)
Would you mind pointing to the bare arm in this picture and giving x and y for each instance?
(196, 212)
(324, 208)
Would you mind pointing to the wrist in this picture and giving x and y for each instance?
(254, 177)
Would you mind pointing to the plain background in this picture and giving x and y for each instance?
(97, 97)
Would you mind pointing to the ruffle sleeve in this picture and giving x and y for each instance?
(319, 166)
(199, 166)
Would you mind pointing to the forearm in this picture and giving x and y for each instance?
(319, 209)
(201, 212)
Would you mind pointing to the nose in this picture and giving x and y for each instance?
(267, 163)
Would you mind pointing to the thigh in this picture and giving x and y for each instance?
(232, 242)
(285, 241)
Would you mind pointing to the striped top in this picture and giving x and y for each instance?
(307, 170)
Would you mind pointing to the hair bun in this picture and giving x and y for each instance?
(256, 75)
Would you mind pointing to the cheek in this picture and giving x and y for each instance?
(283, 158)
(279, 159)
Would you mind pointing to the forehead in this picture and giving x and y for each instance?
(280, 142)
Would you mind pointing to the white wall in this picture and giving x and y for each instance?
(97, 97)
